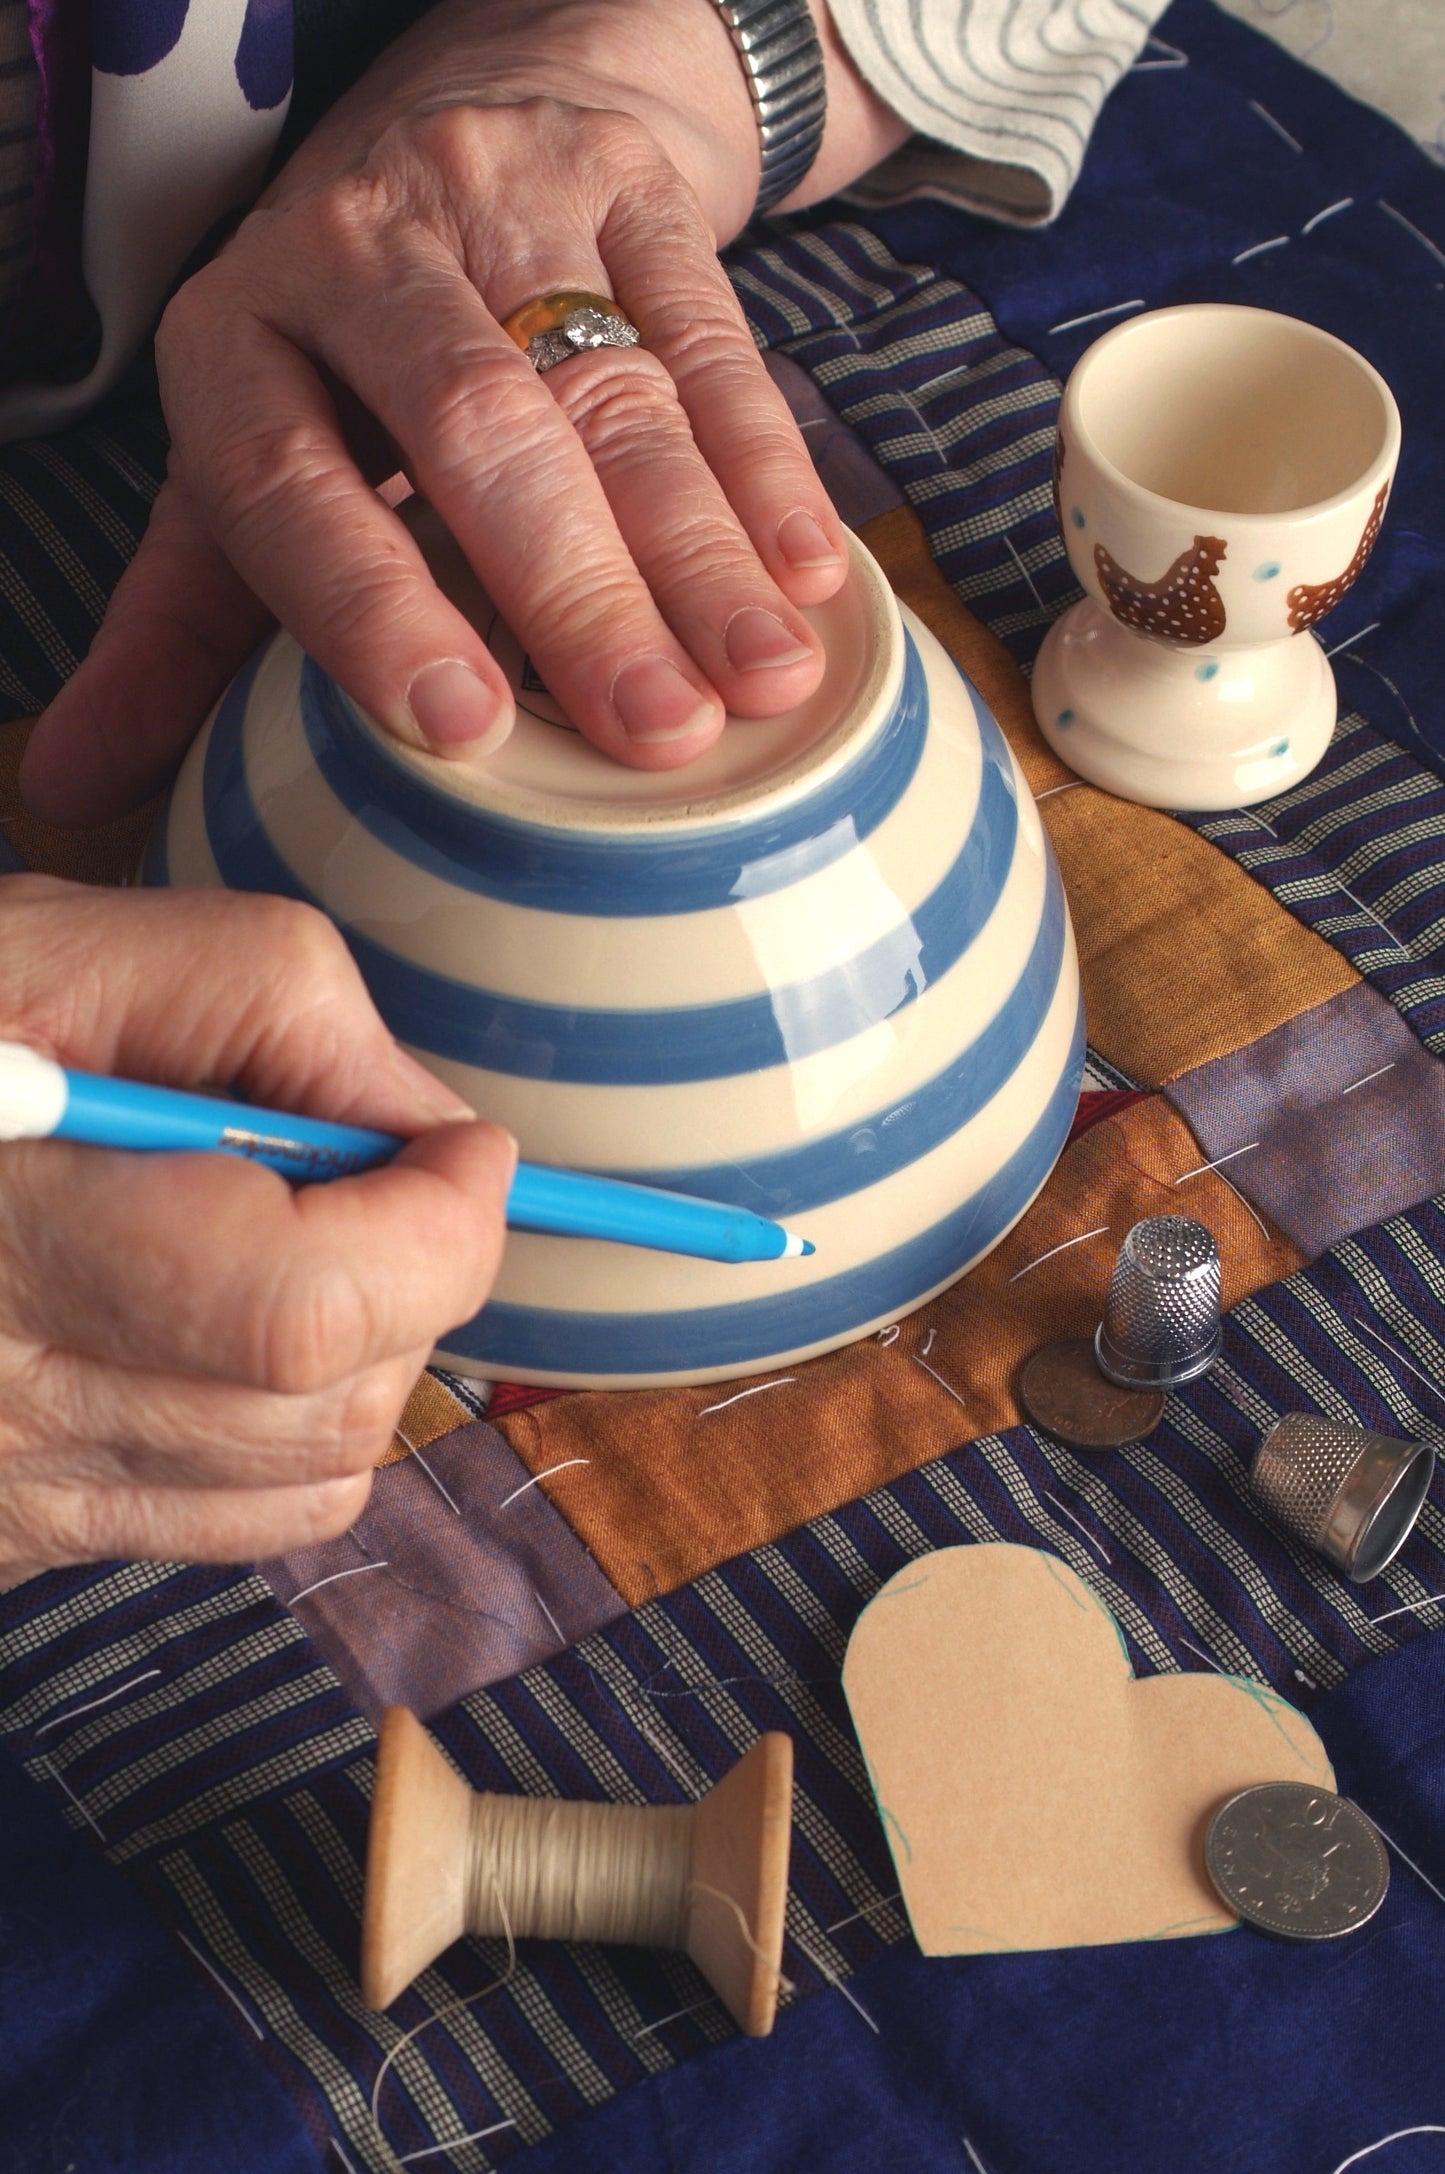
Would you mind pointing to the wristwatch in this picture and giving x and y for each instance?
(783, 62)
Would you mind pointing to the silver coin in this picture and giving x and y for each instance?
(1297, 1861)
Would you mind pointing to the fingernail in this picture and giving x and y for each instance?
(655, 702)
(803, 543)
(454, 708)
(756, 641)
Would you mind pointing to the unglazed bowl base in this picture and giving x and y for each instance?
(1174, 728)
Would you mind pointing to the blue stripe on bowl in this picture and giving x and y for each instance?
(817, 1171)
(504, 1336)
(560, 871)
(448, 1018)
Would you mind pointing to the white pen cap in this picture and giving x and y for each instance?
(33, 1093)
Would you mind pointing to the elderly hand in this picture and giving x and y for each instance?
(197, 1361)
(647, 519)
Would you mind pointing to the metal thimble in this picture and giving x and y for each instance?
(1352, 1495)
(1161, 1321)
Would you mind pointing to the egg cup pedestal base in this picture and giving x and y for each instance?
(1174, 728)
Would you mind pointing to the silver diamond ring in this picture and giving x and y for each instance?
(579, 330)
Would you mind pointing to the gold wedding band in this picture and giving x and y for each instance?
(553, 327)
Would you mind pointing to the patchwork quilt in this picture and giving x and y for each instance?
(611, 1596)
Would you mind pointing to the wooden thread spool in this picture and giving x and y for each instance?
(710, 1878)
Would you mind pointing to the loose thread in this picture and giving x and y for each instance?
(73, 1713)
(354, 1572)
(1063, 1248)
(455, 2143)
(1217, 1164)
(55, 1774)
(450, 2007)
(837, 1983)
(538, 1477)
(1426, 2128)
(1028, 577)
(1278, 126)
(1410, 717)
(1384, 1068)
(1078, 1523)
(889, 1336)
(948, 1385)
(233, 1997)
(1278, 241)
(730, 1902)
(756, 1390)
(1350, 639)
(677, 2015)
(1308, 1681)
(1423, 1877)
(1177, 59)
(1329, 211)
(1115, 309)
(869, 1909)
(1411, 1607)
(1410, 228)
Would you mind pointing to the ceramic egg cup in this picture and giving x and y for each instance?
(1220, 478)
(825, 972)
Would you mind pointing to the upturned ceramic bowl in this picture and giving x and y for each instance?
(826, 972)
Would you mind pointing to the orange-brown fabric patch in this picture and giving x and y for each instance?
(1184, 956)
(681, 1479)
(430, 1412)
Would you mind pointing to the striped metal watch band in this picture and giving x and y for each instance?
(783, 62)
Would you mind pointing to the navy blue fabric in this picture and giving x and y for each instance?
(1210, 2056)
(115, 2057)
(1182, 175)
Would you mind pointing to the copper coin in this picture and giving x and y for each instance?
(1064, 1393)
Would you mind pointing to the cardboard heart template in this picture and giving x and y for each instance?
(1035, 1793)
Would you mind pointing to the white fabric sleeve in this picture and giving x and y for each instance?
(1010, 88)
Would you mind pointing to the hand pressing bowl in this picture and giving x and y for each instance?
(825, 972)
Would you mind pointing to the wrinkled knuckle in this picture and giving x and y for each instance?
(310, 1330)
(304, 947)
(619, 398)
(253, 478)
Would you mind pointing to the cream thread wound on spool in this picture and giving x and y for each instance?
(710, 1879)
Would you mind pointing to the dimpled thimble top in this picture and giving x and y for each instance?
(1161, 1321)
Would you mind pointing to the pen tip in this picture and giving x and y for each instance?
(796, 1246)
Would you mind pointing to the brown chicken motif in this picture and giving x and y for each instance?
(1306, 603)
(1183, 605)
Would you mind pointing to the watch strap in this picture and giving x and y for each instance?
(777, 44)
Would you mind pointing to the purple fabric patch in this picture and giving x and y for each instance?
(457, 1574)
(129, 36)
(51, 328)
(264, 55)
(852, 478)
(1334, 1122)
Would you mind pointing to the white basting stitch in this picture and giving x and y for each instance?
(1396, 1353)
(676, 2017)
(537, 1477)
(1411, 1607)
(1072, 786)
(335, 2143)
(447, 1496)
(1115, 309)
(932, 1334)
(1028, 577)
(1200, 1168)
(1423, 1877)
(973, 2158)
(73, 1713)
(948, 1385)
(1278, 126)
(1204, 1657)
(756, 1390)
(1177, 59)
(541, 1603)
(1328, 213)
(1384, 1068)
(429, 2151)
(883, 1902)
(1083, 1234)
(233, 1997)
(889, 1336)
(1350, 639)
(55, 1774)
(835, 1981)
(1371, 915)
(1308, 1681)
(1426, 2128)
(1250, 817)
(1365, 663)
(1410, 228)
(354, 1572)
(1246, 1205)
(1258, 249)
(1065, 1511)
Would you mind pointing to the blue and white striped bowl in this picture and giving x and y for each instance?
(826, 973)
